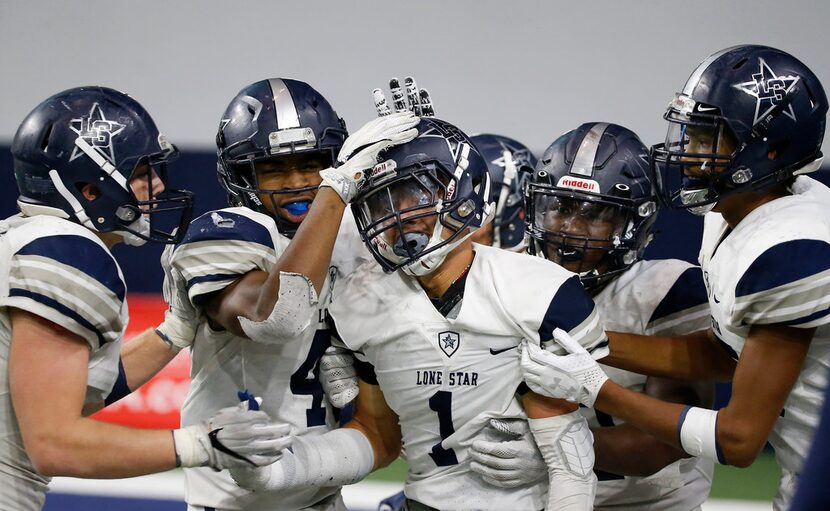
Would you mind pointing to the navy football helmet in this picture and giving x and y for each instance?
(510, 164)
(268, 120)
(100, 137)
(748, 117)
(423, 199)
(590, 203)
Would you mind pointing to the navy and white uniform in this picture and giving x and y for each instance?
(664, 297)
(445, 377)
(61, 272)
(773, 268)
(219, 248)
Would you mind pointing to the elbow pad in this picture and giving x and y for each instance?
(294, 311)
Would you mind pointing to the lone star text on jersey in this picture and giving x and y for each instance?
(452, 378)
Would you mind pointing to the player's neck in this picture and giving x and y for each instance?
(736, 207)
(110, 239)
(436, 283)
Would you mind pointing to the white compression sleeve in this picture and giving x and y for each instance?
(294, 311)
(339, 457)
(567, 446)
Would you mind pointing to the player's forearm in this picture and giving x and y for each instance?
(690, 357)
(143, 357)
(614, 447)
(653, 416)
(92, 449)
(309, 253)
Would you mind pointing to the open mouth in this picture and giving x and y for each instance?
(295, 210)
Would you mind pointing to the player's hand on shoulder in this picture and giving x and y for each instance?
(506, 456)
(234, 437)
(338, 376)
(415, 100)
(181, 319)
(575, 377)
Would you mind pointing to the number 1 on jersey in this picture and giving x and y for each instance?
(441, 403)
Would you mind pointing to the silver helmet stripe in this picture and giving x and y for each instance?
(287, 116)
(583, 164)
(693, 80)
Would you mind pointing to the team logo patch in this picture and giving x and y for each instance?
(97, 131)
(578, 183)
(768, 89)
(449, 342)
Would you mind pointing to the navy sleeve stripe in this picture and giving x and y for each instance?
(807, 319)
(224, 225)
(120, 389)
(212, 278)
(568, 309)
(66, 311)
(80, 253)
(784, 263)
(687, 292)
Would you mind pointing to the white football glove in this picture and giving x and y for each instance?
(338, 376)
(417, 100)
(180, 319)
(234, 437)
(361, 149)
(575, 377)
(512, 462)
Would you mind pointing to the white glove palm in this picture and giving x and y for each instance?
(338, 376)
(575, 377)
(234, 437)
(361, 149)
(512, 462)
(180, 319)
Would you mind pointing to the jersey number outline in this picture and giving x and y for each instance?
(441, 403)
(303, 383)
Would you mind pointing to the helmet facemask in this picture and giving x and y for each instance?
(407, 222)
(589, 235)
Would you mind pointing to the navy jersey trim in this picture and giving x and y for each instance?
(82, 254)
(233, 227)
(63, 309)
(687, 292)
(784, 263)
(569, 307)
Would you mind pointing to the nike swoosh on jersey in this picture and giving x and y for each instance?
(496, 352)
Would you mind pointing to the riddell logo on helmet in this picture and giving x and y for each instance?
(383, 167)
(577, 183)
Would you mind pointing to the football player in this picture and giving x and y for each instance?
(509, 163)
(261, 270)
(748, 123)
(435, 336)
(592, 209)
(90, 166)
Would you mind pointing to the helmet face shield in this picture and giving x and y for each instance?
(577, 231)
(401, 219)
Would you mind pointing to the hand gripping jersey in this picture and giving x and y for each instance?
(59, 271)
(653, 298)
(446, 377)
(220, 247)
(774, 268)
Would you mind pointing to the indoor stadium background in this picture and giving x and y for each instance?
(530, 70)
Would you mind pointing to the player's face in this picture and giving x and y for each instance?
(287, 173)
(579, 233)
(144, 181)
(700, 140)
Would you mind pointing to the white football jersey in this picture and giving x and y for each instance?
(653, 298)
(774, 268)
(445, 377)
(62, 272)
(220, 247)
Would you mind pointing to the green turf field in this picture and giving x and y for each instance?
(758, 482)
